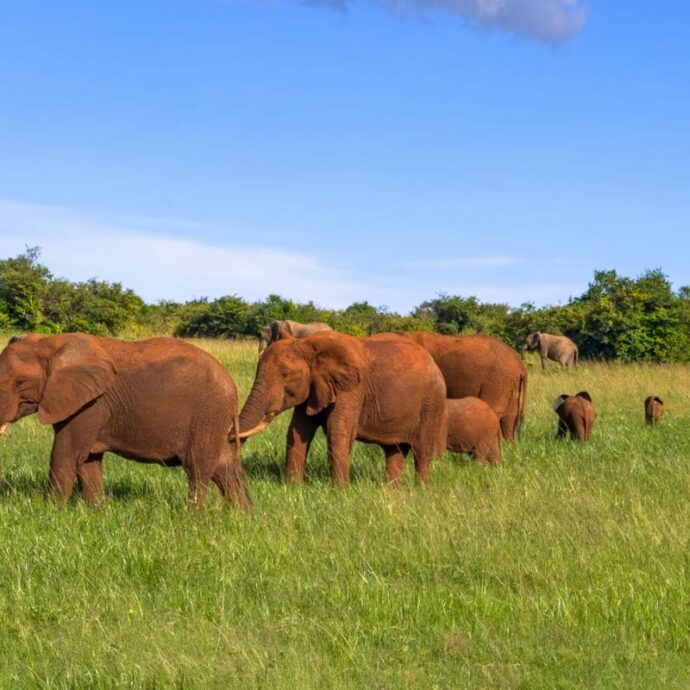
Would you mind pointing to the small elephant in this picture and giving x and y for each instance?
(653, 409)
(159, 400)
(473, 427)
(269, 334)
(557, 348)
(576, 415)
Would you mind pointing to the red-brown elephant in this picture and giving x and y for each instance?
(383, 390)
(159, 400)
(653, 409)
(482, 367)
(473, 427)
(576, 415)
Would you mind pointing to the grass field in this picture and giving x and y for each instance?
(568, 566)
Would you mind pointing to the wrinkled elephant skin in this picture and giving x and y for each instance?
(382, 390)
(482, 367)
(159, 400)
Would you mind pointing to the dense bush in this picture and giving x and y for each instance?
(641, 319)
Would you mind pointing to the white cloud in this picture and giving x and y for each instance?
(79, 246)
(547, 21)
(159, 266)
(467, 262)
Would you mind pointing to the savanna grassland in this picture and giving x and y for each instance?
(568, 566)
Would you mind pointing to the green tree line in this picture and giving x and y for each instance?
(629, 319)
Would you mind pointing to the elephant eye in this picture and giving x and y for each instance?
(22, 383)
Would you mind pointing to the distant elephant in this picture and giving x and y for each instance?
(576, 415)
(558, 348)
(473, 427)
(483, 367)
(383, 390)
(269, 334)
(653, 409)
(159, 400)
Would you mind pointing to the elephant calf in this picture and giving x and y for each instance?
(653, 409)
(473, 427)
(576, 415)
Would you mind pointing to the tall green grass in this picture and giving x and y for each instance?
(567, 566)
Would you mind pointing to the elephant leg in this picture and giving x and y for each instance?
(63, 472)
(488, 451)
(507, 423)
(395, 461)
(229, 477)
(198, 485)
(90, 475)
(562, 429)
(341, 438)
(299, 437)
(422, 462)
(63, 465)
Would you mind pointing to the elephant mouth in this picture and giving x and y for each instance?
(24, 409)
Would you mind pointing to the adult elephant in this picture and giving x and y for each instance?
(558, 348)
(482, 367)
(269, 334)
(159, 400)
(378, 390)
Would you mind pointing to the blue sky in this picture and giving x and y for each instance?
(341, 151)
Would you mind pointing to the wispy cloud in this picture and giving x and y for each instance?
(467, 262)
(159, 266)
(546, 21)
(140, 254)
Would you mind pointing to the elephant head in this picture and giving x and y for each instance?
(532, 341)
(265, 338)
(55, 376)
(313, 370)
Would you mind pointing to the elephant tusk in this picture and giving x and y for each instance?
(3, 427)
(255, 430)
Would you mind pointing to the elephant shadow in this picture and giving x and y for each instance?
(25, 485)
(125, 489)
(28, 486)
(262, 467)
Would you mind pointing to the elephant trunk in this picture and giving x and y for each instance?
(255, 415)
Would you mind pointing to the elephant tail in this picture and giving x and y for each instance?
(237, 440)
(522, 397)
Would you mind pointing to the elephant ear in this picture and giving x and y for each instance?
(559, 400)
(585, 395)
(79, 371)
(335, 369)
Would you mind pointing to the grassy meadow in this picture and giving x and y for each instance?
(568, 566)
